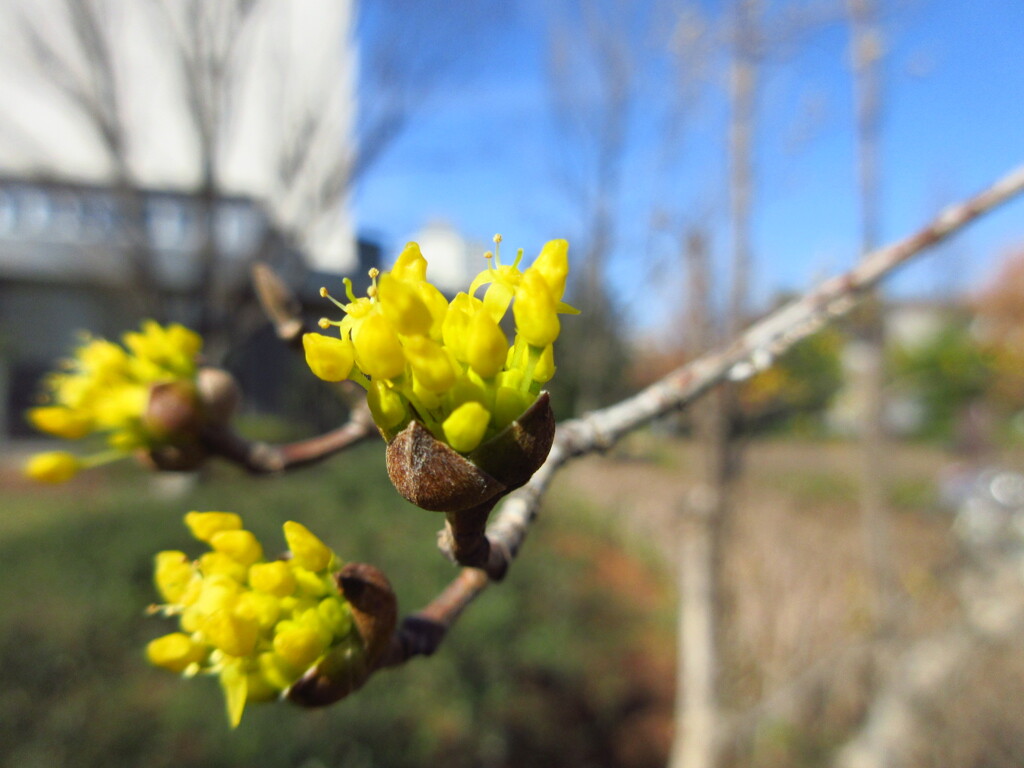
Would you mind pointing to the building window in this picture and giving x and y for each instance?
(165, 222)
(8, 213)
(36, 211)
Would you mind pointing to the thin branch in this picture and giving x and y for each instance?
(262, 458)
(753, 350)
(280, 305)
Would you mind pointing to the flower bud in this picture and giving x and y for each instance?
(403, 307)
(410, 265)
(182, 457)
(328, 357)
(378, 349)
(307, 550)
(176, 652)
(437, 305)
(240, 546)
(173, 411)
(486, 345)
(433, 476)
(430, 364)
(53, 467)
(205, 525)
(465, 427)
(61, 421)
(346, 667)
(386, 406)
(553, 265)
(274, 578)
(515, 453)
(536, 311)
(172, 573)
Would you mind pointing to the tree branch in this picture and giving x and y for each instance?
(262, 458)
(280, 305)
(753, 350)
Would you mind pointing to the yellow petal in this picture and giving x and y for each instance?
(53, 467)
(410, 265)
(233, 634)
(430, 364)
(273, 578)
(299, 646)
(176, 652)
(205, 524)
(328, 357)
(486, 345)
(545, 367)
(68, 423)
(307, 550)
(241, 546)
(402, 306)
(437, 305)
(378, 349)
(172, 573)
(553, 265)
(496, 300)
(535, 312)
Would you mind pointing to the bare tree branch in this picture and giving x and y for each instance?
(753, 350)
(263, 458)
(280, 305)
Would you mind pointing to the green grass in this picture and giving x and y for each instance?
(537, 671)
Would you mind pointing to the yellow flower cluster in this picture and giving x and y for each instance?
(448, 365)
(105, 388)
(257, 624)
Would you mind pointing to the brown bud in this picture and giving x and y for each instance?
(433, 476)
(373, 603)
(182, 457)
(173, 411)
(219, 394)
(344, 670)
(514, 454)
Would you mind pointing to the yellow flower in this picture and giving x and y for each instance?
(378, 349)
(53, 467)
(464, 428)
(61, 421)
(329, 358)
(444, 364)
(257, 625)
(104, 389)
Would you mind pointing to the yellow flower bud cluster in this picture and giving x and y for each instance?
(448, 364)
(257, 624)
(104, 388)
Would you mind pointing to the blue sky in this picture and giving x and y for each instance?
(483, 153)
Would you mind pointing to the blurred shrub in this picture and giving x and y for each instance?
(945, 375)
(796, 390)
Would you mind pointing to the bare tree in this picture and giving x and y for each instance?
(699, 738)
(253, 97)
(698, 732)
(866, 54)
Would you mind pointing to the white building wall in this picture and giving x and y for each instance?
(297, 58)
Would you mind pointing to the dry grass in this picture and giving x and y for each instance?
(798, 599)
